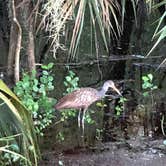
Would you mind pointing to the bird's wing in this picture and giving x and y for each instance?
(68, 100)
(80, 98)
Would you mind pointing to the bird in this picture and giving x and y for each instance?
(82, 98)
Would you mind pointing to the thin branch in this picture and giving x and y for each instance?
(34, 9)
(21, 4)
(18, 44)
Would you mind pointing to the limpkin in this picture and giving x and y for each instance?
(82, 98)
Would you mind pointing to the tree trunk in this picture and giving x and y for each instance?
(22, 11)
(30, 49)
(11, 53)
(17, 53)
(14, 45)
(29, 30)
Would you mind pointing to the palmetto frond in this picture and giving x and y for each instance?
(101, 11)
(58, 13)
(16, 122)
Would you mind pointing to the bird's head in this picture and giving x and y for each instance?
(110, 84)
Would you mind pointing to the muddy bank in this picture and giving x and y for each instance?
(135, 152)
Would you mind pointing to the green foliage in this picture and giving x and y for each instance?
(120, 107)
(18, 143)
(48, 67)
(149, 87)
(34, 95)
(71, 82)
(147, 84)
(101, 104)
(160, 31)
(99, 133)
(10, 152)
(88, 118)
(60, 137)
(56, 13)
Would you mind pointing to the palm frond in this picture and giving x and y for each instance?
(123, 3)
(159, 4)
(160, 33)
(57, 13)
(100, 12)
(79, 21)
(15, 119)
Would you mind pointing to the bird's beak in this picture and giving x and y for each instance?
(115, 89)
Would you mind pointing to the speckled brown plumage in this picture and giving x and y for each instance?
(83, 98)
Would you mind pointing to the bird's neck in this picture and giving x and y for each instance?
(102, 93)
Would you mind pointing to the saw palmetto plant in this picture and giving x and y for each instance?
(18, 143)
(160, 31)
(106, 15)
(103, 13)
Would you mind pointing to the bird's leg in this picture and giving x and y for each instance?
(79, 117)
(82, 121)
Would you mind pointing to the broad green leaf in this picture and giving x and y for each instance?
(65, 83)
(50, 78)
(117, 108)
(147, 85)
(33, 73)
(99, 104)
(122, 99)
(150, 76)
(35, 88)
(45, 72)
(50, 65)
(154, 87)
(146, 94)
(145, 78)
(44, 67)
(36, 82)
(36, 106)
(68, 78)
(118, 113)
